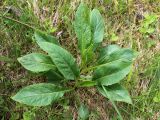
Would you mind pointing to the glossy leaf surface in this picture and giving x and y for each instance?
(44, 37)
(82, 27)
(63, 60)
(54, 77)
(41, 94)
(97, 25)
(113, 65)
(116, 93)
(37, 62)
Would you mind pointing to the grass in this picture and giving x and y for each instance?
(122, 19)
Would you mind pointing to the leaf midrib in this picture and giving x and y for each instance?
(112, 73)
(101, 65)
(66, 62)
(44, 94)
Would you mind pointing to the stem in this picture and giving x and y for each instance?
(130, 74)
(19, 22)
(120, 116)
(82, 79)
(113, 103)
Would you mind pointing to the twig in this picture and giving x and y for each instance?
(4, 95)
(19, 22)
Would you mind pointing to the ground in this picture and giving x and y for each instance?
(125, 22)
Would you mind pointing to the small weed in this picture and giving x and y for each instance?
(148, 26)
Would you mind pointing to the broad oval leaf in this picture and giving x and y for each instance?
(112, 72)
(63, 60)
(37, 62)
(82, 27)
(44, 37)
(83, 13)
(97, 25)
(107, 50)
(114, 52)
(116, 93)
(114, 64)
(41, 94)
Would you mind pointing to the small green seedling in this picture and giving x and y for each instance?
(100, 67)
(114, 37)
(147, 25)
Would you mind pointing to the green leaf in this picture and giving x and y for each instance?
(97, 25)
(113, 65)
(114, 37)
(108, 50)
(112, 72)
(54, 77)
(29, 115)
(113, 52)
(44, 37)
(116, 93)
(150, 30)
(41, 94)
(83, 113)
(83, 13)
(88, 54)
(63, 60)
(82, 27)
(149, 19)
(112, 101)
(37, 62)
(88, 83)
(143, 30)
